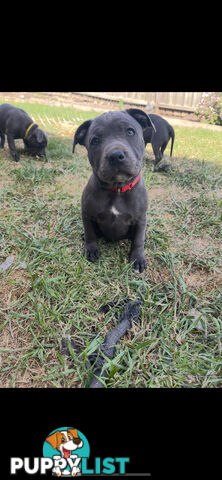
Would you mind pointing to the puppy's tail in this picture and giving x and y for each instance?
(73, 145)
(172, 135)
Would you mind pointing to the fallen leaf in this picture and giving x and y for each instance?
(7, 263)
(195, 314)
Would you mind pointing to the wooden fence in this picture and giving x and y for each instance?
(175, 100)
(181, 101)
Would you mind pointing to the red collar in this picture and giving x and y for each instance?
(126, 187)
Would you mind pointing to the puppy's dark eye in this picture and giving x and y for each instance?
(130, 131)
(95, 141)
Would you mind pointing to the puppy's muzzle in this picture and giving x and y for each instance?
(116, 157)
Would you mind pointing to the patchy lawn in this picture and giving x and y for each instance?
(50, 296)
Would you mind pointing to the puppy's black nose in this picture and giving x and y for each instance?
(117, 156)
(77, 440)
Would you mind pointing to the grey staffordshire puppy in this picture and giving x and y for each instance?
(16, 123)
(114, 202)
(159, 139)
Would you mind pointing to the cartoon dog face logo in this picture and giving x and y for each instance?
(65, 441)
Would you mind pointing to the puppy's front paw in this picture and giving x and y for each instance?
(91, 253)
(139, 262)
(75, 471)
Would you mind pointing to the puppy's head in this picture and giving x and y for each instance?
(115, 144)
(36, 141)
(65, 441)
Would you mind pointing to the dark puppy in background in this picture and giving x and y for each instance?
(159, 139)
(16, 123)
(114, 202)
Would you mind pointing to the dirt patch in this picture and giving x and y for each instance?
(215, 194)
(5, 180)
(195, 245)
(16, 340)
(200, 244)
(160, 275)
(169, 192)
(71, 184)
(157, 192)
(201, 279)
(13, 287)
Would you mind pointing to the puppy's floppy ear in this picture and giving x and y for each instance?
(80, 134)
(39, 135)
(76, 439)
(141, 117)
(53, 439)
(74, 433)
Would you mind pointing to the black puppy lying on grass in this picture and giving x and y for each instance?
(16, 123)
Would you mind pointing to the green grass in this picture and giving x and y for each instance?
(54, 118)
(198, 144)
(49, 311)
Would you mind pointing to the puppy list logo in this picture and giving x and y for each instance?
(67, 447)
(65, 452)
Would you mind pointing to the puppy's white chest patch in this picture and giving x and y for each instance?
(114, 210)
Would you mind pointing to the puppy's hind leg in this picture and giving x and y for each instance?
(165, 167)
(2, 135)
(163, 147)
(11, 144)
(158, 156)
